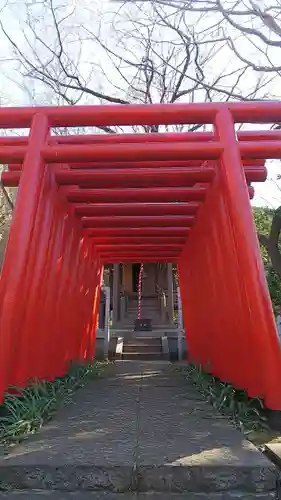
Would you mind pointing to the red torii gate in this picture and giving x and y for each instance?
(86, 200)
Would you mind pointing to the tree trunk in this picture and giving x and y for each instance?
(3, 241)
(271, 242)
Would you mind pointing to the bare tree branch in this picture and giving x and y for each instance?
(6, 196)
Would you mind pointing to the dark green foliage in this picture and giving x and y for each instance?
(274, 285)
(29, 408)
(263, 218)
(248, 414)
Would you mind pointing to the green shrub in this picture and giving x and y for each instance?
(248, 414)
(25, 411)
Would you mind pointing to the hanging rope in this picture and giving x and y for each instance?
(140, 290)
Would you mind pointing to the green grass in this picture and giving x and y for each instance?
(26, 411)
(247, 414)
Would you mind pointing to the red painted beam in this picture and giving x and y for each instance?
(135, 248)
(111, 260)
(255, 174)
(145, 221)
(145, 250)
(10, 179)
(12, 154)
(139, 114)
(141, 164)
(150, 151)
(129, 152)
(261, 150)
(138, 231)
(140, 255)
(129, 240)
(153, 164)
(136, 177)
(136, 258)
(255, 111)
(174, 177)
(139, 258)
(131, 195)
(142, 114)
(251, 135)
(107, 178)
(138, 209)
(14, 167)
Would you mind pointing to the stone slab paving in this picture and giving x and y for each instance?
(143, 428)
(57, 495)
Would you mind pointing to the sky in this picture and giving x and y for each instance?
(14, 91)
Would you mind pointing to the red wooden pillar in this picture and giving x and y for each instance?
(15, 267)
(84, 297)
(226, 305)
(52, 339)
(259, 321)
(89, 298)
(95, 305)
(211, 296)
(61, 269)
(73, 312)
(66, 308)
(36, 288)
(225, 302)
(78, 318)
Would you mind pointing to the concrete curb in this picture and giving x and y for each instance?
(57, 495)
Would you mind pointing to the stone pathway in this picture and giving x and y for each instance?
(143, 432)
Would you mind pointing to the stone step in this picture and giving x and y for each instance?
(154, 317)
(148, 310)
(144, 303)
(130, 322)
(145, 312)
(145, 348)
(145, 356)
(146, 306)
(96, 495)
(161, 325)
(152, 341)
(157, 330)
(144, 300)
(164, 482)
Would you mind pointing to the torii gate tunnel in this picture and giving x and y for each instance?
(87, 200)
